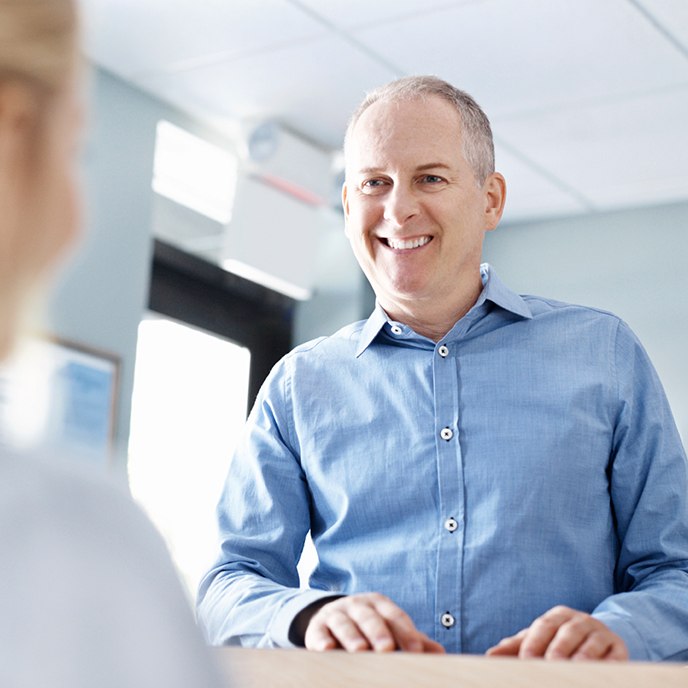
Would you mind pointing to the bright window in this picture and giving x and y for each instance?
(194, 173)
(189, 404)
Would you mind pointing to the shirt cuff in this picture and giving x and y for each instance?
(637, 650)
(279, 629)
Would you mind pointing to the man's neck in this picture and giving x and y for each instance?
(432, 320)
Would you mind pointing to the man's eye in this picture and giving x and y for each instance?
(432, 179)
(372, 183)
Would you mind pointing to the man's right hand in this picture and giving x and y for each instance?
(362, 622)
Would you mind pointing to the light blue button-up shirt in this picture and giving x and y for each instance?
(526, 460)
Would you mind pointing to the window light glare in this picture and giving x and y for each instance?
(194, 173)
(188, 409)
(273, 282)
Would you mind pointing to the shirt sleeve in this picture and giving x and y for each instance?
(251, 595)
(649, 493)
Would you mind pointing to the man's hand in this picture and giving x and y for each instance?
(563, 633)
(365, 622)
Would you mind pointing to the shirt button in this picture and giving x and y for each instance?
(446, 434)
(451, 524)
(396, 329)
(443, 351)
(447, 620)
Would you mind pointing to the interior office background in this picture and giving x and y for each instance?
(589, 104)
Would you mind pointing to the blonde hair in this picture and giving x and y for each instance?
(478, 146)
(37, 41)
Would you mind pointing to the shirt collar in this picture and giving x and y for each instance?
(494, 290)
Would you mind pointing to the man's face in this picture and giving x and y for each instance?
(415, 214)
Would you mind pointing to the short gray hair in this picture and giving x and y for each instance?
(478, 146)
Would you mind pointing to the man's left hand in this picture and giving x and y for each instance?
(563, 633)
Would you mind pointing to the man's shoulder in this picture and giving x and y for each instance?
(570, 322)
(341, 343)
(541, 306)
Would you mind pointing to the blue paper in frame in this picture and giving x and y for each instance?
(60, 397)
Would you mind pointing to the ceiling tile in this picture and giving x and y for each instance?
(310, 87)
(531, 194)
(672, 15)
(629, 152)
(515, 55)
(359, 13)
(131, 37)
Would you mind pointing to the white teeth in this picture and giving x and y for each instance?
(407, 243)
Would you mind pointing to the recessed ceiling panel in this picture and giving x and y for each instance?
(349, 14)
(516, 55)
(530, 194)
(312, 87)
(671, 15)
(131, 37)
(628, 152)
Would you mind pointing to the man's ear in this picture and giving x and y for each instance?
(345, 206)
(345, 199)
(494, 190)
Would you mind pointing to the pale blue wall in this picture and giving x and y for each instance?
(102, 293)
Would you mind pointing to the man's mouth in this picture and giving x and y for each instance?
(406, 244)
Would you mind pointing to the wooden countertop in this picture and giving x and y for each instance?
(249, 668)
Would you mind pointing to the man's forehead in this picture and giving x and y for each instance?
(397, 108)
(399, 127)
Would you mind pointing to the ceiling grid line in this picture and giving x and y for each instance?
(347, 37)
(192, 63)
(547, 174)
(659, 26)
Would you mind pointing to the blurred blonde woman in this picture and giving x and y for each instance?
(88, 596)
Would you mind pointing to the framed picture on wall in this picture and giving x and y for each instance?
(60, 397)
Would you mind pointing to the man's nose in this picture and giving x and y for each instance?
(401, 205)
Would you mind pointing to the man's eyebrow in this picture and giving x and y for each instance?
(433, 166)
(420, 168)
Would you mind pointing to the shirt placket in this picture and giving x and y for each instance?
(448, 602)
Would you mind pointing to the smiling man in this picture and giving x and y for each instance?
(480, 471)
(416, 213)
